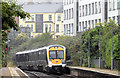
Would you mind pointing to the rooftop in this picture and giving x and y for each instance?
(43, 8)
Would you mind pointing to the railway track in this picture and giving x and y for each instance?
(35, 74)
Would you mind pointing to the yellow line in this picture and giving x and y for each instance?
(11, 72)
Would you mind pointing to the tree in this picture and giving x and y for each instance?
(10, 10)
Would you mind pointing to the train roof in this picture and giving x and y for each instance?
(30, 51)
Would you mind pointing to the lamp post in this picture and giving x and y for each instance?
(111, 44)
(99, 46)
(81, 50)
(89, 48)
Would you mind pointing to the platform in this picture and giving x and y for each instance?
(97, 70)
(12, 72)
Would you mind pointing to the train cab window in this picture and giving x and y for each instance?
(60, 54)
(52, 54)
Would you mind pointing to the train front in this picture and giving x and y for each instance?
(56, 58)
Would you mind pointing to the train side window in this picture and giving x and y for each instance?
(33, 56)
(30, 57)
(43, 51)
(37, 55)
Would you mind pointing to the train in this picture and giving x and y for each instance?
(51, 59)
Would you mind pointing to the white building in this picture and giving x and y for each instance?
(95, 11)
(70, 17)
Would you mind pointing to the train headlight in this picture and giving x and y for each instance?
(63, 61)
(50, 62)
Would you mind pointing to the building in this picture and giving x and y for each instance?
(45, 17)
(70, 17)
(82, 15)
(95, 11)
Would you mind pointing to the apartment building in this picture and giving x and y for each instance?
(45, 17)
(95, 11)
(70, 17)
(113, 10)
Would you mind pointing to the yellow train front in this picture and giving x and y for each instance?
(56, 58)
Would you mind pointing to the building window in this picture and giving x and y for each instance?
(72, 1)
(99, 20)
(83, 10)
(72, 13)
(95, 21)
(50, 17)
(99, 7)
(83, 25)
(118, 4)
(64, 29)
(59, 18)
(49, 27)
(113, 4)
(80, 11)
(89, 23)
(57, 28)
(69, 14)
(32, 17)
(67, 1)
(31, 27)
(64, 2)
(95, 7)
(46, 28)
(92, 23)
(109, 5)
(89, 9)
(92, 8)
(69, 30)
(72, 28)
(64, 15)
(80, 26)
(86, 25)
(86, 9)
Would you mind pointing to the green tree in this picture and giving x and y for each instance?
(10, 10)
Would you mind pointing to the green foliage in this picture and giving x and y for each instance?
(10, 10)
(79, 44)
(24, 43)
(106, 34)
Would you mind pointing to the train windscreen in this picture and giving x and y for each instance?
(58, 54)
